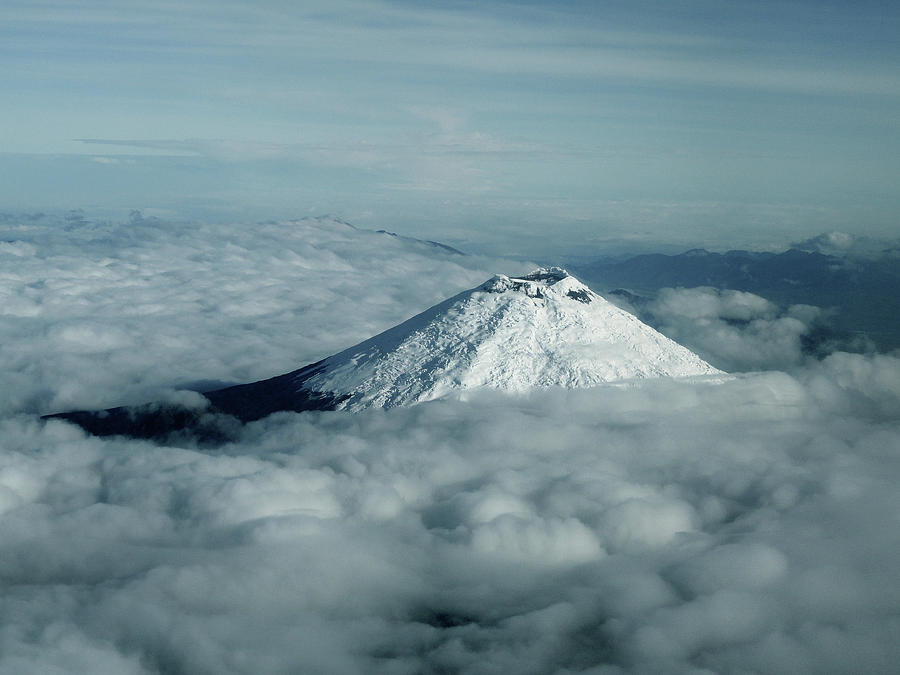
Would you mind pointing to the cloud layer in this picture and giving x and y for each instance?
(744, 527)
(99, 314)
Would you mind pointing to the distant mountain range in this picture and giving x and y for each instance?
(864, 293)
(545, 329)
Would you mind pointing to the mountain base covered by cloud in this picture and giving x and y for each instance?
(748, 526)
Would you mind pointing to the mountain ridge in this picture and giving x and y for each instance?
(544, 329)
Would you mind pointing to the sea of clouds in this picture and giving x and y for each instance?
(96, 313)
(747, 527)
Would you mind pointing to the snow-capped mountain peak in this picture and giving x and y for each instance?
(543, 329)
(539, 283)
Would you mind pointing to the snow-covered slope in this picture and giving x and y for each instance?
(546, 329)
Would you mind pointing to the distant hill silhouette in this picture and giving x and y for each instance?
(865, 294)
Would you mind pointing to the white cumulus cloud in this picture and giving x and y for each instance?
(746, 526)
(734, 330)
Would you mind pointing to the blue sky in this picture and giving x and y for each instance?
(503, 125)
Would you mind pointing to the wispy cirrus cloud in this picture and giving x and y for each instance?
(466, 104)
(536, 40)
